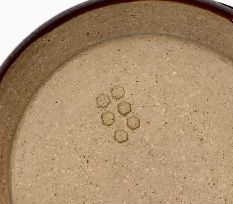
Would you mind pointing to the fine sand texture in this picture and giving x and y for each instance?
(135, 120)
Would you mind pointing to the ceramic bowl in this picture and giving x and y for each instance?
(121, 102)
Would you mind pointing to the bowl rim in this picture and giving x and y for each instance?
(213, 6)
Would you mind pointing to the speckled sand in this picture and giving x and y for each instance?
(181, 153)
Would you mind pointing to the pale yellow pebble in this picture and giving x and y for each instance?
(117, 92)
(102, 101)
(133, 122)
(124, 108)
(121, 136)
(108, 118)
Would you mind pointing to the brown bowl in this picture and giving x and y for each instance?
(121, 102)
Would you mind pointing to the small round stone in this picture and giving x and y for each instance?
(102, 101)
(121, 136)
(124, 108)
(117, 92)
(108, 118)
(133, 122)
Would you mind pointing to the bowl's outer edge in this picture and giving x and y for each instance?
(218, 8)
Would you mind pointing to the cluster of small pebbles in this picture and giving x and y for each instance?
(124, 108)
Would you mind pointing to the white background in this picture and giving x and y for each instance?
(18, 18)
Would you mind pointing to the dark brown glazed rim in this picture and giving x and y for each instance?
(218, 8)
